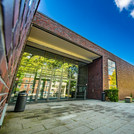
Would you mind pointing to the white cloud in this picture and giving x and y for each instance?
(126, 4)
(123, 3)
(132, 13)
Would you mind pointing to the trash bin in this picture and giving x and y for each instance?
(103, 96)
(73, 94)
(21, 102)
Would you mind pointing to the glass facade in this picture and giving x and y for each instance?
(112, 75)
(46, 77)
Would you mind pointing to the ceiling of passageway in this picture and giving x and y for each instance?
(46, 41)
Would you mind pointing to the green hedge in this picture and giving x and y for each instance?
(111, 95)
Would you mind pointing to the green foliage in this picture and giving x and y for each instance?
(34, 63)
(111, 95)
(131, 95)
(17, 89)
(113, 80)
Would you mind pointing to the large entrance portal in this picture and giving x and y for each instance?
(52, 68)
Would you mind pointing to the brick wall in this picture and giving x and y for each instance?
(125, 80)
(15, 20)
(95, 80)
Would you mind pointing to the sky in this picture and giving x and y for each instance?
(107, 23)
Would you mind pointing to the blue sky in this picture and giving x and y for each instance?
(107, 23)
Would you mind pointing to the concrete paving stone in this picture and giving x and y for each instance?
(22, 131)
(44, 132)
(109, 119)
(105, 130)
(96, 131)
(78, 130)
(128, 127)
(66, 113)
(47, 121)
(115, 124)
(13, 126)
(32, 129)
(74, 125)
(28, 120)
(53, 125)
(69, 121)
(127, 119)
(16, 120)
(94, 125)
(27, 115)
(78, 118)
(86, 121)
(121, 131)
(66, 117)
(31, 124)
(131, 122)
(53, 107)
(5, 131)
(57, 130)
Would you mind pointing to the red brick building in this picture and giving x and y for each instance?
(23, 30)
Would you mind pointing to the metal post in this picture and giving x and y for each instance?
(38, 88)
(85, 94)
(60, 84)
(76, 84)
(50, 84)
(68, 89)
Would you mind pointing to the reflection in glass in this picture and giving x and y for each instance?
(64, 89)
(72, 89)
(44, 87)
(50, 77)
(112, 75)
(54, 90)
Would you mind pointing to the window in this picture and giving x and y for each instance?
(19, 85)
(30, 3)
(112, 75)
(31, 86)
(25, 86)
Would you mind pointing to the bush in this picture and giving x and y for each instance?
(111, 95)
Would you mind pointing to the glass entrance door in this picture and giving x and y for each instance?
(72, 88)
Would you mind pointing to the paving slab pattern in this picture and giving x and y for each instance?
(71, 117)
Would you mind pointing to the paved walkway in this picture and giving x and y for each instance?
(71, 117)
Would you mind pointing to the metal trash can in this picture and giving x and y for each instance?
(21, 102)
(103, 97)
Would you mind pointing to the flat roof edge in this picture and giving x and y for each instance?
(77, 35)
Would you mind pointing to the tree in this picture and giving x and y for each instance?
(113, 80)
